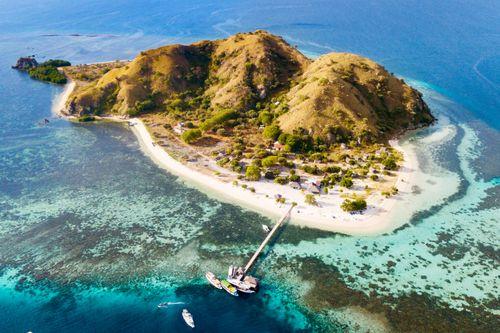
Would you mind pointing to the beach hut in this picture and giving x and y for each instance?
(179, 128)
(278, 146)
(314, 189)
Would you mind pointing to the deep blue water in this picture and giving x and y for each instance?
(93, 235)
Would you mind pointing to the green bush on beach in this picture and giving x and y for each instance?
(311, 200)
(191, 135)
(252, 173)
(353, 205)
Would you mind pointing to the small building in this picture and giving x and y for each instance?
(314, 182)
(314, 189)
(295, 185)
(179, 128)
(278, 146)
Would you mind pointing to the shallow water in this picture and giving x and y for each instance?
(93, 235)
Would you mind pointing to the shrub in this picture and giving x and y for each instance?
(281, 180)
(265, 117)
(86, 118)
(252, 189)
(281, 200)
(271, 132)
(252, 173)
(331, 169)
(269, 175)
(311, 200)
(191, 135)
(389, 163)
(144, 106)
(374, 177)
(235, 166)
(312, 169)
(353, 205)
(218, 119)
(394, 190)
(269, 161)
(294, 177)
(346, 182)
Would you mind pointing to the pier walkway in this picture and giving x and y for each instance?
(266, 240)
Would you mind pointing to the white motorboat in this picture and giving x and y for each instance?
(188, 318)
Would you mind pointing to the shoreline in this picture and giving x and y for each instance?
(376, 219)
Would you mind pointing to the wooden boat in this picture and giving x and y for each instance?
(214, 281)
(229, 288)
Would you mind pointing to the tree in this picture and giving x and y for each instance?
(390, 163)
(269, 161)
(191, 135)
(252, 173)
(271, 132)
(346, 182)
(265, 117)
(311, 200)
(219, 119)
(353, 205)
(281, 180)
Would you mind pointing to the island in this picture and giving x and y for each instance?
(253, 120)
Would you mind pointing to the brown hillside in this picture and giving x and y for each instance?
(253, 79)
(230, 73)
(344, 94)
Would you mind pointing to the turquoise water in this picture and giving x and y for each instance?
(93, 235)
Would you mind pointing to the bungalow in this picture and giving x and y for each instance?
(278, 146)
(314, 186)
(179, 128)
(314, 189)
(314, 182)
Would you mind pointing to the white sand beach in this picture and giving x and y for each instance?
(327, 216)
(378, 218)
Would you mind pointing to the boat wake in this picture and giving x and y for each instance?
(167, 304)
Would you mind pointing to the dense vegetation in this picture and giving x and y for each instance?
(48, 74)
(47, 71)
(56, 63)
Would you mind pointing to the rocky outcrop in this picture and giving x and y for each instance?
(25, 63)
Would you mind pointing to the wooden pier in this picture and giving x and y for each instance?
(266, 240)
